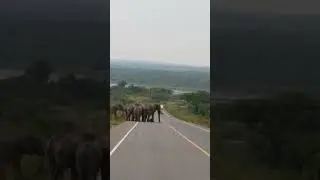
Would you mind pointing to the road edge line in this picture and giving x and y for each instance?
(193, 125)
(122, 139)
(194, 144)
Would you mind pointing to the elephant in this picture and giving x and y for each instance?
(115, 108)
(105, 163)
(89, 156)
(149, 110)
(156, 107)
(60, 153)
(128, 109)
(137, 112)
(11, 153)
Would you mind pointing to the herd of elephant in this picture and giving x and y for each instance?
(84, 154)
(138, 111)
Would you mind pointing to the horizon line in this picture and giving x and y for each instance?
(171, 63)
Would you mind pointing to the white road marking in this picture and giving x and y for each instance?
(206, 130)
(194, 144)
(122, 139)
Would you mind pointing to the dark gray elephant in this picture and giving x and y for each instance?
(115, 108)
(60, 154)
(146, 112)
(137, 112)
(12, 152)
(105, 163)
(149, 110)
(89, 156)
(128, 109)
(156, 107)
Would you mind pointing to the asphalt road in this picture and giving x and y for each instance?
(170, 150)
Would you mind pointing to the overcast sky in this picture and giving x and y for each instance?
(174, 31)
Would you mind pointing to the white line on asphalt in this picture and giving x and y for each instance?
(206, 130)
(194, 144)
(122, 139)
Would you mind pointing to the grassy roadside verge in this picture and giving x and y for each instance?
(115, 121)
(182, 113)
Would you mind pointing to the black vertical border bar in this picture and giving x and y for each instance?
(107, 81)
(213, 77)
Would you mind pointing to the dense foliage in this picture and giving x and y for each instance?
(281, 131)
(194, 80)
(198, 102)
(31, 103)
(121, 94)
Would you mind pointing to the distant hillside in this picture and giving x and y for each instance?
(164, 75)
(155, 65)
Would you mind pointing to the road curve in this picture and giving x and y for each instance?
(169, 150)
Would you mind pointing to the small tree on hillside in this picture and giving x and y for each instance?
(39, 71)
(122, 83)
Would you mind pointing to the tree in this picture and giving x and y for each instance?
(122, 83)
(39, 71)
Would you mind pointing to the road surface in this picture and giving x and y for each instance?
(170, 150)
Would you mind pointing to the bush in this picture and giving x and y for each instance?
(283, 131)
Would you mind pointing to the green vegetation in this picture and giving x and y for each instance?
(187, 80)
(268, 138)
(29, 104)
(115, 121)
(191, 107)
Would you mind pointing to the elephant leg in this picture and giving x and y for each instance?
(74, 174)
(145, 118)
(127, 116)
(58, 174)
(3, 173)
(17, 167)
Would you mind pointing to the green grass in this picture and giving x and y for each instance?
(137, 98)
(115, 121)
(236, 163)
(181, 113)
(234, 160)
